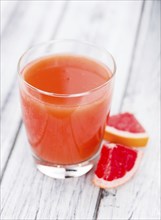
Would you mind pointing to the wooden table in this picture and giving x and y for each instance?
(130, 30)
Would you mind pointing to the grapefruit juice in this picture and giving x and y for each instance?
(65, 99)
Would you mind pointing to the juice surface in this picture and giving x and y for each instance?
(65, 74)
(69, 133)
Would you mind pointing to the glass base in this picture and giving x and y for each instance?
(65, 171)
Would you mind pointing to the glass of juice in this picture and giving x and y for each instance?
(65, 92)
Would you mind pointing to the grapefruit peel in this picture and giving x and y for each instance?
(138, 137)
(105, 184)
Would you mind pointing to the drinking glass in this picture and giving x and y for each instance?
(65, 131)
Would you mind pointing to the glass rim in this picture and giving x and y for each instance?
(72, 95)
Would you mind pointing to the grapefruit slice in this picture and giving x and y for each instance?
(125, 129)
(117, 165)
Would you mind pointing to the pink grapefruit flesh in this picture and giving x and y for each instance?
(117, 165)
(125, 129)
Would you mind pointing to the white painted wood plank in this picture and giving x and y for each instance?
(10, 122)
(140, 198)
(10, 114)
(7, 9)
(27, 194)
